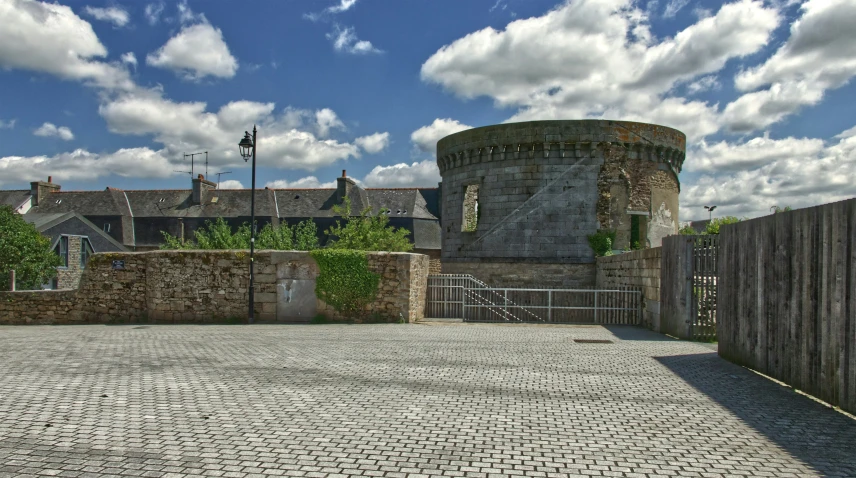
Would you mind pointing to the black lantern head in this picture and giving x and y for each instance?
(246, 146)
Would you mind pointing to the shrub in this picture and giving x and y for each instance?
(366, 232)
(601, 242)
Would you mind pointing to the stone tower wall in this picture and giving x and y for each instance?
(544, 186)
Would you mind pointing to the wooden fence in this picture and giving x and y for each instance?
(787, 299)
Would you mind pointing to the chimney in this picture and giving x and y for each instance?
(200, 187)
(39, 190)
(344, 185)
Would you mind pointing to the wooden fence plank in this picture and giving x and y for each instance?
(786, 298)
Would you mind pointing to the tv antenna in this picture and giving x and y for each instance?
(186, 172)
(191, 161)
(220, 174)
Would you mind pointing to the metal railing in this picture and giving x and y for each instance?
(465, 297)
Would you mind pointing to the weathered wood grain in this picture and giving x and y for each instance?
(786, 299)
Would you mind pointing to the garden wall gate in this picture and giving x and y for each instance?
(688, 286)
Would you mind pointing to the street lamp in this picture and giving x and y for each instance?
(245, 146)
(710, 210)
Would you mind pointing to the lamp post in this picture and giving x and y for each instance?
(710, 210)
(246, 144)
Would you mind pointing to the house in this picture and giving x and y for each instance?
(74, 239)
(134, 219)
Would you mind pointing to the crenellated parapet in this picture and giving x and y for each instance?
(562, 140)
(532, 193)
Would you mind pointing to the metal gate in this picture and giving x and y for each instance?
(688, 279)
(465, 297)
(704, 276)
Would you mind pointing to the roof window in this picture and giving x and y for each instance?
(297, 196)
(58, 201)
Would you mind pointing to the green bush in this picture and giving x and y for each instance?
(366, 232)
(601, 242)
(713, 226)
(218, 234)
(345, 281)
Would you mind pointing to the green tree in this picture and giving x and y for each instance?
(24, 250)
(779, 209)
(688, 231)
(713, 226)
(306, 236)
(367, 232)
(279, 238)
(218, 234)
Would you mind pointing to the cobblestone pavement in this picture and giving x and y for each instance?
(398, 400)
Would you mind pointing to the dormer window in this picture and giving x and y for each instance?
(107, 227)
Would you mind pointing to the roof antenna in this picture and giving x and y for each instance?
(186, 172)
(191, 161)
(220, 174)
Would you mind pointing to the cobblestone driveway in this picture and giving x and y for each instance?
(397, 400)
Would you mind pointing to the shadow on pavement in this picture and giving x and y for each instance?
(633, 332)
(817, 435)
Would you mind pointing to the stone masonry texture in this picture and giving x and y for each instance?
(206, 286)
(395, 400)
(518, 274)
(637, 269)
(544, 186)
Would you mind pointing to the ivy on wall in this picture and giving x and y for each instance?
(345, 281)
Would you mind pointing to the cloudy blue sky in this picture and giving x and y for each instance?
(113, 93)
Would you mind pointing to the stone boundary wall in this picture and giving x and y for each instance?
(529, 275)
(635, 269)
(210, 286)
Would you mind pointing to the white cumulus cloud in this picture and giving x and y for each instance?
(195, 52)
(819, 55)
(50, 38)
(129, 58)
(309, 182)
(230, 184)
(153, 12)
(373, 143)
(345, 40)
(115, 15)
(84, 165)
(600, 59)
(283, 142)
(425, 138)
(748, 178)
(424, 174)
(51, 130)
(326, 120)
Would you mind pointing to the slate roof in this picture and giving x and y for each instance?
(132, 213)
(47, 221)
(88, 203)
(14, 198)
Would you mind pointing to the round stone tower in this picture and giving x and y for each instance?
(519, 200)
